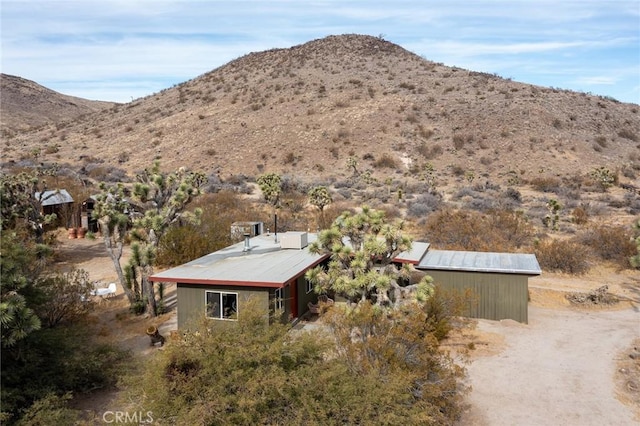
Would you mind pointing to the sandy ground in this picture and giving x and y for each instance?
(558, 369)
(568, 366)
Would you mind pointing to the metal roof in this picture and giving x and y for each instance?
(265, 264)
(54, 197)
(415, 255)
(505, 263)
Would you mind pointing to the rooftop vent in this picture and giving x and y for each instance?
(247, 243)
(239, 229)
(294, 240)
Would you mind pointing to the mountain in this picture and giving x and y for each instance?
(25, 105)
(305, 110)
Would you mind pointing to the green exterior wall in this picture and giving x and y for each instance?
(303, 298)
(191, 300)
(497, 296)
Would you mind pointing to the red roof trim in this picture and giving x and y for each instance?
(218, 282)
(400, 260)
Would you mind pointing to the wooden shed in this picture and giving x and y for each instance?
(498, 281)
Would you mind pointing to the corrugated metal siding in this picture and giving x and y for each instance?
(191, 300)
(497, 296)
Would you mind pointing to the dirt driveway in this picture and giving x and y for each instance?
(557, 370)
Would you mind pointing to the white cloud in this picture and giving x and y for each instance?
(120, 45)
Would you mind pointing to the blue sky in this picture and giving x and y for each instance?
(119, 50)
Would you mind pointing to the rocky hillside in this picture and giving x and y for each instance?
(25, 105)
(306, 109)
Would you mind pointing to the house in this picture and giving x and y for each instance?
(267, 268)
(271, 270)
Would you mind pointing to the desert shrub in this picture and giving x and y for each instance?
(257, 374)
(342, 184)
(484, 198)
(481, 203)
(628, 172)
(497, 230)
(485, 161)
(235, 183)
(614, 243)
(423, 205)
(429, 151)
(633, 203)
(594, 208)
(424, 132)
(569, 194)
(56, 361)
(601, 141)
(184, 243)
(386, 161)
(457, 170)
(513, 195)
(291, 183)
(628, 134)
(458, 141)
(562, 256)
(442, 309)
(546, 184)
(422, 187)
(345, 193)
(289, 158)
(580, 216)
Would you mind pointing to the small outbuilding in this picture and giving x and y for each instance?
(498, 282)
(58, 202)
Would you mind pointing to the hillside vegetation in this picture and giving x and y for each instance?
(306, 109)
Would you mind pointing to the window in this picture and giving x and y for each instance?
(309, 287)
(221, 305)
(279, 296)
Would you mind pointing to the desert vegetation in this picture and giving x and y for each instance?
(49, 349)
(298, 138)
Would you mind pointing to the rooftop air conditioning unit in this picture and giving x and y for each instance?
(294, 240)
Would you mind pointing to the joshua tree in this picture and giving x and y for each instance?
(271, 187)
(163, 198)
(552, 219)
(112, 210)
(362, 248)
(320, 197)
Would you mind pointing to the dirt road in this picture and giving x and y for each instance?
(557, 370)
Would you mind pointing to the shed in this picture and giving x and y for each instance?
(56, 201)
(499, 281)
(53, 197)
